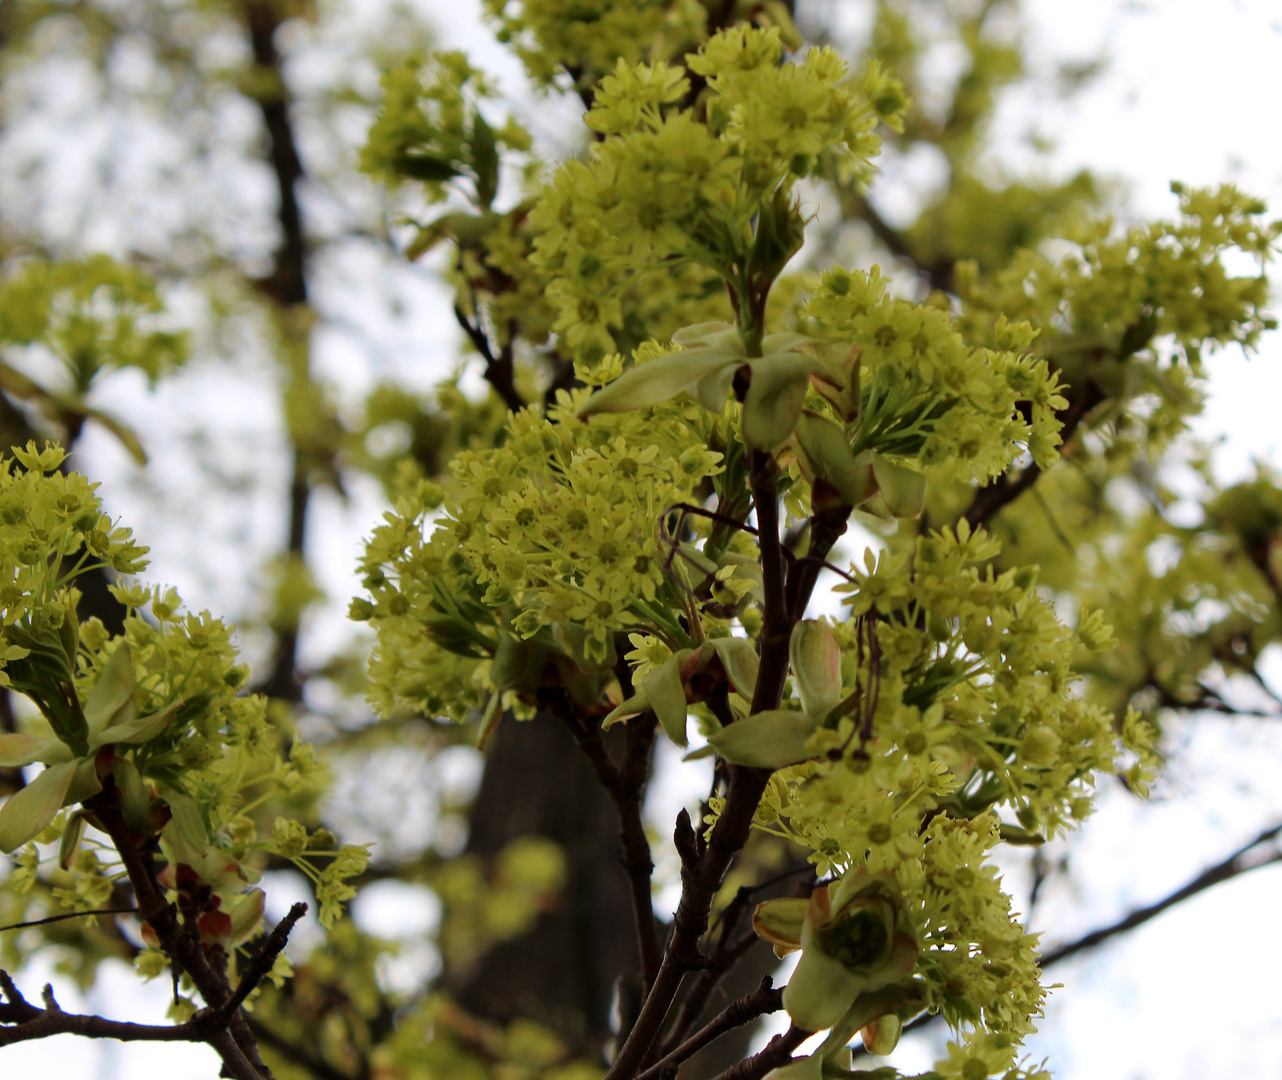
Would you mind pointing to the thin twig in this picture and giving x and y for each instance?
(261, 964)
(70, 915)
(499, 372)
(778, 1051)
(703, 868)
(626, 787)
(765, 999)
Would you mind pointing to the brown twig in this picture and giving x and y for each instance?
(69, 915)
(180, 939)
(777, 1052)
(259, 967)
(1233, 866)
(500, 371)
(302, 1056)
(626, 787)
(703, 868)
(286, 285)
(990, 500)
(765, 999)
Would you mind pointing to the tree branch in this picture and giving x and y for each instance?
(626, 787)
(725, 956)
(778, 1051)
(29, 1022)
(1233, 866)
(286, 286)
(261, 964)
(301, 1056)
(990, 500)
(180, 939)
(765, 999)
(500, 371)
(704, 868)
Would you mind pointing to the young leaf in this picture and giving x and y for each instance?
(31, 809)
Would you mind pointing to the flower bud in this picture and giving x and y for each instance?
(1040, 747)
(816, 664)
(882, 1035)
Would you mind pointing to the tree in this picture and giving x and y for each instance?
(684, 413)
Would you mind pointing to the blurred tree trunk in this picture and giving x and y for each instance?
(563, 973)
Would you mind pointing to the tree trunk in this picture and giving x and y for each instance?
(564, 972)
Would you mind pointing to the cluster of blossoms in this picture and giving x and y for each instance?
(917, 391)
(966, 706)
(547, 546)
(1106, 305)
(586, 38)
(879, 394)
(665, 185)
(940, 718)
(145, 732)
(92, 314)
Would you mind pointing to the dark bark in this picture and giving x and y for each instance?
(563, 973)
(286, 286)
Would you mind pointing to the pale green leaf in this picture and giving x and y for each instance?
(662, 688)
(767, 740)
(114, 687)
(31, 809)
(140, 729)
(739, 658)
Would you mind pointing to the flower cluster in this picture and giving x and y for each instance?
(587, 38)
(547, 546)
(430, 128)
(1110, 303)
(145, 736)
(915, 391)
(666, 186)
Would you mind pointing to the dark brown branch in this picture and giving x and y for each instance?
(180, 939)
(288, 282)
(637, 859)
(259, 967)
(25, 1022)
(500, 371)
(765, 999)
(704, 868)
(998, 494)
(725, 956)
(29, 1022)
(626, 787)
(302, 1056)
(990, 500)
(1234, 866)
(826, 528)
(778, 1051)
(286, 286)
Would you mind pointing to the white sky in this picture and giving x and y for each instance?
(1193, 94)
